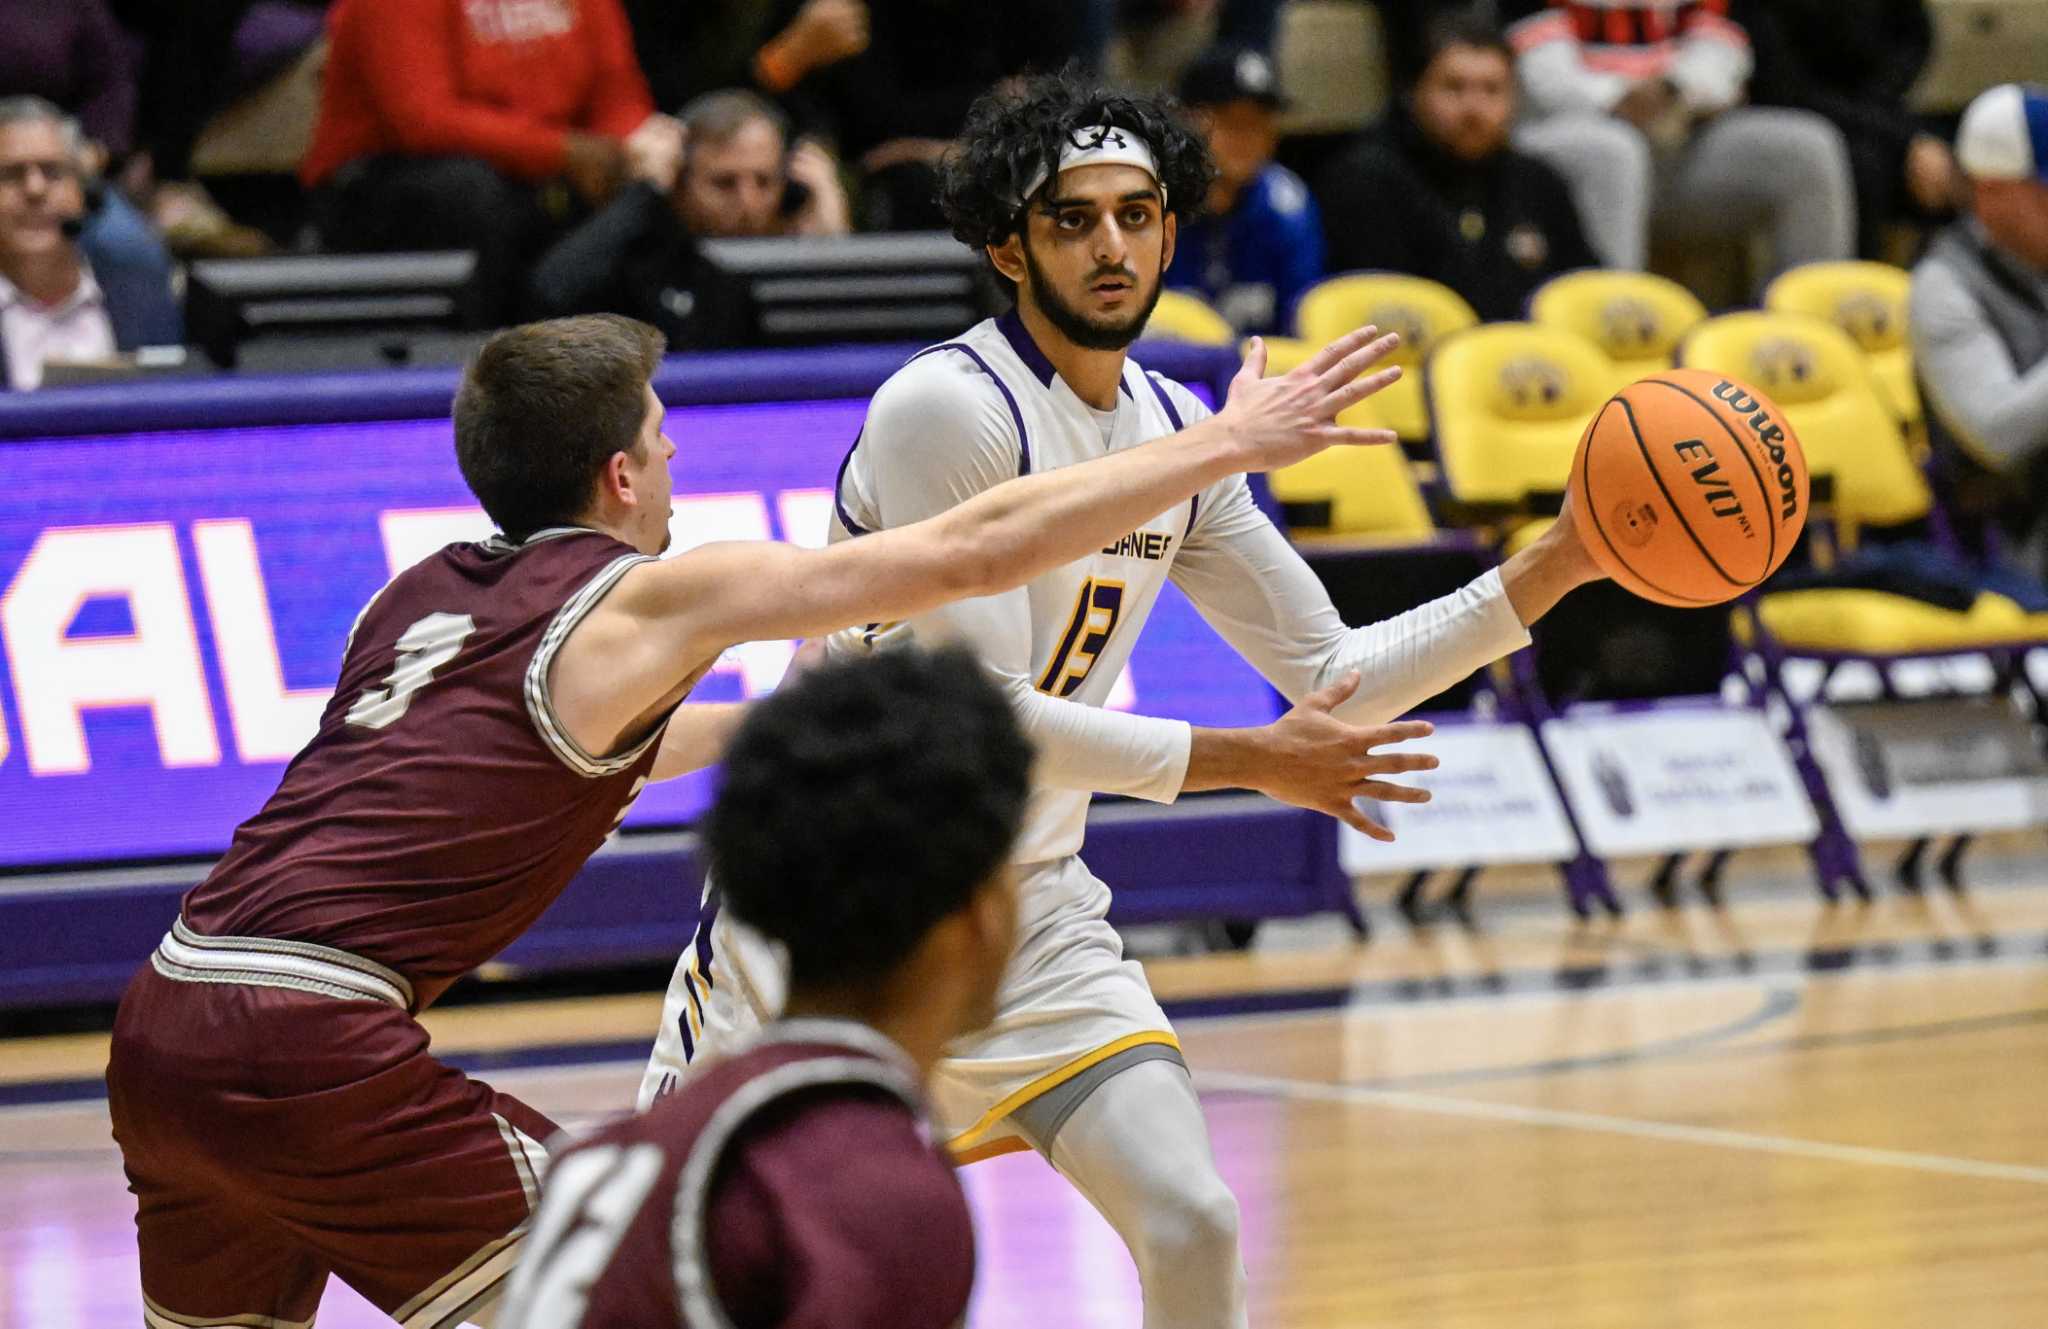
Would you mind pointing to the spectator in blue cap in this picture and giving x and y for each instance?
(1260, 243)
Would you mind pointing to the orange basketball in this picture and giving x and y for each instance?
(1693, 487)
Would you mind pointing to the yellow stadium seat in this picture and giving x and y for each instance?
(1867, 301)
(1812, 370)
(1636, 318)
(1182, 317)
(1816, 375)
(1509, 402)
(1422, 311)
(1371, 491)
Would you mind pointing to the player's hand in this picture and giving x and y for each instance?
(825, 32)
(654, 151)
(1283, 420)
(1321, 763)
(593, 164)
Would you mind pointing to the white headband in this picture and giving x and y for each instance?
(1102, 145)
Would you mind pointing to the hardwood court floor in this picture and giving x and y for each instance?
(1780, 1114)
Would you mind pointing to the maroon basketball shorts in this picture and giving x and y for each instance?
(280, 1120)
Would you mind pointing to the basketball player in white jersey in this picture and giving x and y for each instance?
(1072, 194)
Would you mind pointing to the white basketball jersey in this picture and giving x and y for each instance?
(1085, 616)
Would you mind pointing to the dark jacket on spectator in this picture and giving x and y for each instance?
(926, 62)
(635, 257)
(1492, 230)
(71, 52)
(691, 47)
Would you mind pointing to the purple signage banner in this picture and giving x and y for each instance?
(173, 607)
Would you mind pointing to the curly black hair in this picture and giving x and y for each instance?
(1012, 136)
(864, 802)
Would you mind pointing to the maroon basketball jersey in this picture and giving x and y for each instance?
(441, 806)
(794, 1183)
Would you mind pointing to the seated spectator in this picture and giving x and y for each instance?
(1437, 192)
(1853, 61)
(74, 55)
(732, 175)
(60, 300)
(1258, 243)
(1637, 103)
(893, 109)
(688, 50)
(1979, 325)
(447, 124)
(198, 56)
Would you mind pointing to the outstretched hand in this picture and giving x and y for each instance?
(1321, 763)
(1291, 417)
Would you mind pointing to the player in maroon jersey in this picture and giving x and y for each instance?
(865, 822)
(498, 707)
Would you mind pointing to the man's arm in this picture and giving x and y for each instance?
(696, 737)
(1348, 683)
(1254, 588)
(1973, 385)
(1552, 65)
(631, 653)
(1713, 65)
(583, 273)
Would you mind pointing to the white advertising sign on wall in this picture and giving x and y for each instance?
(1916, 768)
(1493, 802)
(1673, 780)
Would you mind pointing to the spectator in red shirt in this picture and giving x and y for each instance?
(453, 124)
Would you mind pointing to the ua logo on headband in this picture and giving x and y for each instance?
(1100, 136)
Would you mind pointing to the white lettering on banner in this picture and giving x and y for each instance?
(806, 516)
(702, 519)
(1492, 801)
(410, 534)
(272, 722)
(1676, 779)
(1931, 767)
(57, 677)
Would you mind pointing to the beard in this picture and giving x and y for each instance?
(1091, 334)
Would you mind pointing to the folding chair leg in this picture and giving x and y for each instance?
(1585, 877)
(1664, 881)
(1459, 900)
(1911, 864)
(1710, 876)
(1410, 901)
(1950, 864)
(1836, 862)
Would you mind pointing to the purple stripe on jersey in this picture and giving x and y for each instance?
(838, 494)
(705, 918)
(1023, 434)
(1165, 402)
(1173, 414)
(1014, 332)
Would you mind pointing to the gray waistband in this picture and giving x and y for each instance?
(301, 966)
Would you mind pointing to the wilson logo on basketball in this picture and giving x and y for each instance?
(1770, 436)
